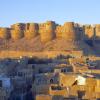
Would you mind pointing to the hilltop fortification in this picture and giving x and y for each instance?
(50, 30)
(50, 36)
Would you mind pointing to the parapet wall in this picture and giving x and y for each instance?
(50, 30)
(69, 31)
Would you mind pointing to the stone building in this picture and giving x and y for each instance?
(53, 83)
(31, 30)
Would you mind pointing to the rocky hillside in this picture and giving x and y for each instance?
(36, 45)
(50, 36)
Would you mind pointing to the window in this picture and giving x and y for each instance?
(51, 81)
(28, 26)
(0, 83)
(56, 88)
(63, 70)
(20, 74)
(33, 67)
(61, 84)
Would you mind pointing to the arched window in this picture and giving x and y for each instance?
(51, 81)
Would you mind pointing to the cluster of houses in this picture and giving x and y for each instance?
(59, 78)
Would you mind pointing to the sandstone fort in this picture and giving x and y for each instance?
(50, 30)
(50, 36)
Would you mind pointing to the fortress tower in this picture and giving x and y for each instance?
(47, 31)
(97, 31)
(79, 31)
(17, 31)
(70, 32)
(89, 31)
(5, 33)
(31, 30)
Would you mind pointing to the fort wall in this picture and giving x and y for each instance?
(97, 31)
(69, 31)
(47, 31)
(50, 30)
(89, 32)
(17, 31)
(5, 33)
(43, 54)
(58, 31)
(31, 30)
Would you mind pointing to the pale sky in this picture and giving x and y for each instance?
(60, 11)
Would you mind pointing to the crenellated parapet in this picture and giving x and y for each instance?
(17, 31)
(31, 30)
(79, 31)
(50, 30)
(70, 32)
(47, 31)
(5, 33)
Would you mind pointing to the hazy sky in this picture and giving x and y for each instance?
(82, 11)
